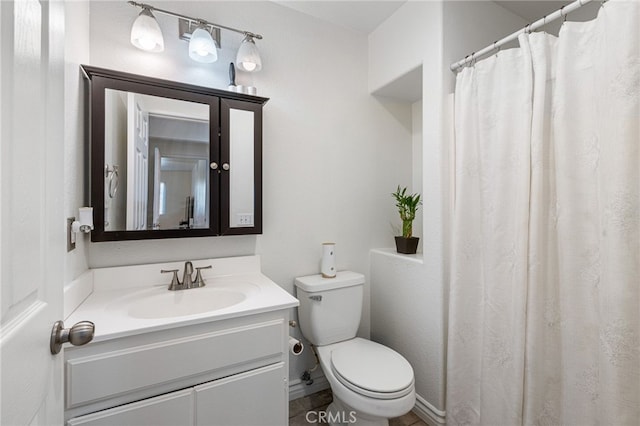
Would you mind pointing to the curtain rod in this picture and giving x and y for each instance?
(562, 12)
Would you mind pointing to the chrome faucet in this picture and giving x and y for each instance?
(187, 277)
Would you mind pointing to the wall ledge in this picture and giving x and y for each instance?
(391, 252)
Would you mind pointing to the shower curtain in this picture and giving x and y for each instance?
(544, 317)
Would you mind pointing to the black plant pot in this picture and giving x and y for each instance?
(407, 245)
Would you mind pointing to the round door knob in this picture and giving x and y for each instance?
(214, 166)
(225, 166)
(80, 334)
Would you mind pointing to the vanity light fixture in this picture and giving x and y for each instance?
(202, 47)
(203, 37)
(146, 33)
(248, 58)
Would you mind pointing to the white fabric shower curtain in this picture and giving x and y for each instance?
(544, 317)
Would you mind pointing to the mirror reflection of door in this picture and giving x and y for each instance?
(161, 146)
(137, 162)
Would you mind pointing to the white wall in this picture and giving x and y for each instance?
(75, 191)
(409, 299)
(399, 44)
(332, 153)
(407, 293)
(472, 25)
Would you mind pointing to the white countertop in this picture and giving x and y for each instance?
(109, 308)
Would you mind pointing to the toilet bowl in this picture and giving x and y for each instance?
(370, 382)
(368, 378)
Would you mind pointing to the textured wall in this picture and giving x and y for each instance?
(332, 153)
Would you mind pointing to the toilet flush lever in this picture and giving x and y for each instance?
(317, 298)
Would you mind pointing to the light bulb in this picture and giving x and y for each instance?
(248, 66)
(146, 33)
(248, 58)
(202, 48)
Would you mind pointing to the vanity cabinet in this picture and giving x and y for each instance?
(172, 160)
(229, 372)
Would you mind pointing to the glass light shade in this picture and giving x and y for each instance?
(248, 58)
(146, 33)
(202, 48)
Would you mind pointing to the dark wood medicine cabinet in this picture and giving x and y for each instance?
(172, 160)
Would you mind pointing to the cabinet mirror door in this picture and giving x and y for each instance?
(242, 167)
(156, 163)
(152, 148)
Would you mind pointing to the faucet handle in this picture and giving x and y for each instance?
(175, 284)
(199, 280)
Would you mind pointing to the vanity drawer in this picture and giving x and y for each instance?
(118, 372)
(172, 409)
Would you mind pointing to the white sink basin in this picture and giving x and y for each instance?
(158, 302)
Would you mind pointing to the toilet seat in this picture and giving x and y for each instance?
(371, 369)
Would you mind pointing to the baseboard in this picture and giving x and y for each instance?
(428, 413)
(298, 389)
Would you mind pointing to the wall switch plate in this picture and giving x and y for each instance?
(245, 219)
(70, 245)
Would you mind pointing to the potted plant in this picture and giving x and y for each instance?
(407, 205)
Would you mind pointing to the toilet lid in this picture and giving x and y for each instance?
(372, 368)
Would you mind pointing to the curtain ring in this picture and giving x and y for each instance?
(472, 63)
(496, 48)
(544, 20)
(564, 15)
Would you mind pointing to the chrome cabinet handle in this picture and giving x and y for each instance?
(317, 298)
(214, 166)
(80, 334)
(225, 166)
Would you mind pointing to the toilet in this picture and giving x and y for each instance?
(370, 382)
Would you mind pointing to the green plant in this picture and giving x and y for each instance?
(407, 205)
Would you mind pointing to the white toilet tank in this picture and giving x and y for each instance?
(330, 308)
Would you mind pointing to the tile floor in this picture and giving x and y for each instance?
(319, 401)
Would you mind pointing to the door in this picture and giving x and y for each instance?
(137, 163)
(32, 238)
(241, 175)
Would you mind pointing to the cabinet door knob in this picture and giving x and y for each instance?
(80, 334)
(225, 166)
(214, 166)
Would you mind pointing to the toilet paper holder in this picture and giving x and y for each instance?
(295, 346)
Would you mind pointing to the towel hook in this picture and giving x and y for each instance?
(114, 179)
